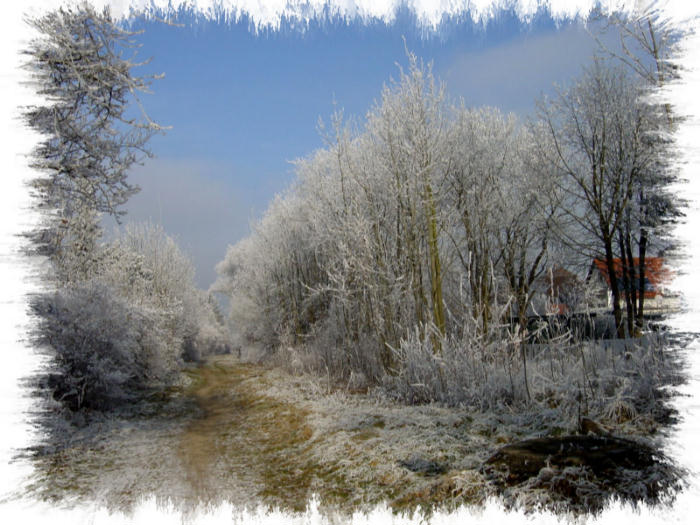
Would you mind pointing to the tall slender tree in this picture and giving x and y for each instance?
(78, 63)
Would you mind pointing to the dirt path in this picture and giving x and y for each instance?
(232, 444)
(200, 445)
(248, 435)
(280, 442)
(244, 439)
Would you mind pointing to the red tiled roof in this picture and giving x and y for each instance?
(654, 270)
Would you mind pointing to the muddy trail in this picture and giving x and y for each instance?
(246, 440)
(220, 438)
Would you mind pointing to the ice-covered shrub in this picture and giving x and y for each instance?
(611, 381)
(475, 370)
(106, 349)
(148, 266)
(130, 325)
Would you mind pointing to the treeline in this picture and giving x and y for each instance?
(121, 317)
(406, 245)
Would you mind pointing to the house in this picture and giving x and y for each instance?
(656, 277)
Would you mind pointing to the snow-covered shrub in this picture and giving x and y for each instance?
(148, 266)
(107, 350)
(475, 370)
(611, 381)
(130, 325)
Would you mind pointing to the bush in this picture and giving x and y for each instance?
(107, 351)
(129, 326)
(612, 381)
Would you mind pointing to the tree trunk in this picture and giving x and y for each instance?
(627, 281)
(610, 264)
(435, 270)
(642, 278)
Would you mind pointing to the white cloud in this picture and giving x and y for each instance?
(512, 75)
(193, 202)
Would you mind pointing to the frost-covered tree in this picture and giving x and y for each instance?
(529, 211)
(385, 226)
(267, 276)
(648, 44)
(600, 134)
(124, 314)
(482, 149)
(81, 62)
(411, 125)
(353, 249)
(171, 271)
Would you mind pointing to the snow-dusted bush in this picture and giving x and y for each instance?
(130, 325)
(107, 350)
(149, 267)
(615, 382)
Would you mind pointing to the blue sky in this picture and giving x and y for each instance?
(242, 104)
